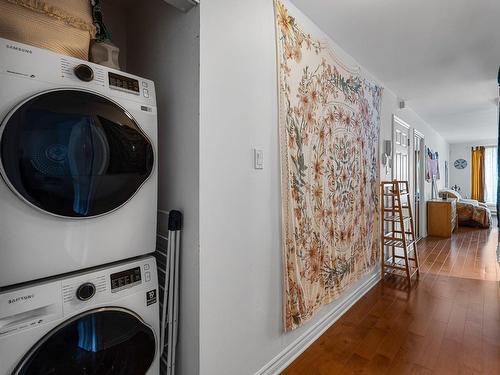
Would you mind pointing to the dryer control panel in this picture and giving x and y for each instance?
(52, 70)
(121, 82)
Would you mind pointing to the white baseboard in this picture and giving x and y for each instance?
(292, 351)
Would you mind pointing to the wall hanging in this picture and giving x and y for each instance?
(432, 170)
(431, 165)
(329, 136)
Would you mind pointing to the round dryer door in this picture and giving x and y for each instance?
(73, 153)
(104, 341)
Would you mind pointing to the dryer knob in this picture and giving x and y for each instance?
(85, 291)
(84, 72)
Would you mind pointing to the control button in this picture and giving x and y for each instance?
(144, 84)
(85, 291)
(148, 276)
(145, 92)
(84, 72)
(146, 266)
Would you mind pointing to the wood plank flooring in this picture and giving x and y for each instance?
(448, 323)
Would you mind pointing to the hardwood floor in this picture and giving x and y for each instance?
(448, 323)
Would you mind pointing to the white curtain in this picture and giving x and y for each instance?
(490, 160)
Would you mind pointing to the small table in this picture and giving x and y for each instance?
(441, 217)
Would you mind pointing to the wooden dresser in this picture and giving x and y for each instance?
(441, 217)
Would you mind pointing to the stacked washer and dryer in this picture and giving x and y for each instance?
(78, 291)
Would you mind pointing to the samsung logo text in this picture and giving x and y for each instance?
(20, 49)
(22, 298)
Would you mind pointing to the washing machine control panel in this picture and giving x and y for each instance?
(85, 291)
(28, 307)
(125, 279)
(105, 286)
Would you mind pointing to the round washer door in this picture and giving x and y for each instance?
(73, 153)
(105, 341)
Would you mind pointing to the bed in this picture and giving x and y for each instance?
(470, 212)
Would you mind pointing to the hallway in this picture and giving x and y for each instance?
(448, 324)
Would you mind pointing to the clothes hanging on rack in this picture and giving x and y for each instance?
(431, 165)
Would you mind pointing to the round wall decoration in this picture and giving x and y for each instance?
(460, 163)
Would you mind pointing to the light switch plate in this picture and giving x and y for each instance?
(258, 159)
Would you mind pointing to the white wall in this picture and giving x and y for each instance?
(462, 177)
(240, 247)
(163, 45)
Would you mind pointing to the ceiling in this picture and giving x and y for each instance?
(441, 56)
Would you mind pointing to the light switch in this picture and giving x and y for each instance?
(258, 159)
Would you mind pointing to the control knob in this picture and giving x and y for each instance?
(84, 72)
(85, 291)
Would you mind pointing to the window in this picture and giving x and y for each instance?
(491, 176)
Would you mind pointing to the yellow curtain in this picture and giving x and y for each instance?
(478, 176)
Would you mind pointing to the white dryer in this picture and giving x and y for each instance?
(77, 160)
(105, 321)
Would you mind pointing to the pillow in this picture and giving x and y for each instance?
(62, 26)
(450, 193)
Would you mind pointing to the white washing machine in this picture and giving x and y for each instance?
(105, 321)
(77, 160)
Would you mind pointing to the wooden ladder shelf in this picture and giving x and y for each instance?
(399, 246)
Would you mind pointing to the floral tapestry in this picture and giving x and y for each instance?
(329, 136)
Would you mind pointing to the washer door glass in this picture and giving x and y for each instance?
(107, 341)
(74, 153)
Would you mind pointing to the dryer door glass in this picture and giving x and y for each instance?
(106, 341)
(74, 153)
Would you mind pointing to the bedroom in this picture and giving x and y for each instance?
(473, 180)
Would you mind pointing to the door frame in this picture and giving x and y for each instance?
(412, 132)
(421, 174)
